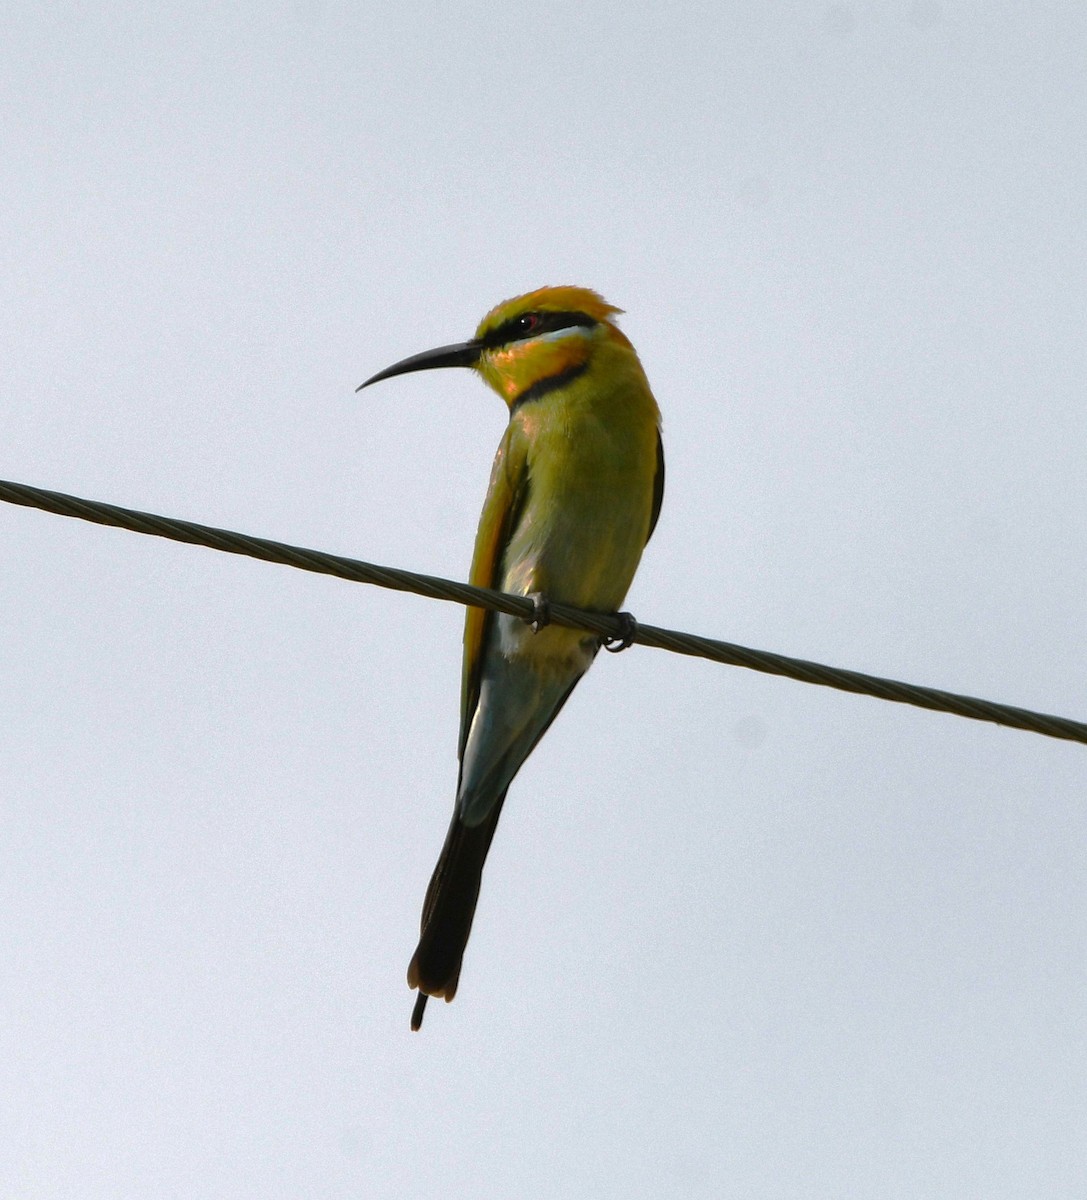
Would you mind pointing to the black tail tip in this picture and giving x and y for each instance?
(417, 1012)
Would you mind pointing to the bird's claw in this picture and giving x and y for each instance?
(629, 631)
(541, 612)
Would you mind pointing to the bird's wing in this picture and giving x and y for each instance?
(501, 510)
(658, 488)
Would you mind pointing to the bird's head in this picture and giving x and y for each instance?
(526, 346)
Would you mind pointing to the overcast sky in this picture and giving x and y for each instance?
(738, 936)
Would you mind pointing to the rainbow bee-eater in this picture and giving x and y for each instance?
(575, 493)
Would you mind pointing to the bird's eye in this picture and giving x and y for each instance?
(528, 322)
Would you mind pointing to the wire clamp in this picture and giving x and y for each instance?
(629, 631)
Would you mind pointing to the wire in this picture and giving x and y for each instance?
(606, 626)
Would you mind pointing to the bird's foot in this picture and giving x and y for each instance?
(541, 612)
(629, 631)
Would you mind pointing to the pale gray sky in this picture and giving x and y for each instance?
(738, 936)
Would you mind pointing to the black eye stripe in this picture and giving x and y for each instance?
(526, 326)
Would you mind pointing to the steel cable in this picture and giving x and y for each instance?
(606, 625)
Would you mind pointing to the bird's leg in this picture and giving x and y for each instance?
(629, 631)
(541, 611)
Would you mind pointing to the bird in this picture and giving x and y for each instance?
(575, 493)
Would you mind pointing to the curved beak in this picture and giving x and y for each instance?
(464, 354)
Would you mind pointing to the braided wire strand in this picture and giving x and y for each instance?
(605, 625)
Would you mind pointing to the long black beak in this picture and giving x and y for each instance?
(464, 354)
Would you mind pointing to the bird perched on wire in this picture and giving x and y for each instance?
(574, 495)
